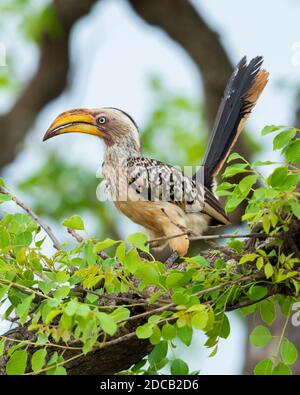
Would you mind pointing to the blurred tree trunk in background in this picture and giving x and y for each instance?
(48, 82)
(254, 355)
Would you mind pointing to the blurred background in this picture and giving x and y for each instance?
(165, 62)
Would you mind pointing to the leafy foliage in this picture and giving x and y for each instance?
(64, 299)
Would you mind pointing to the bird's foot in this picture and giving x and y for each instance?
(171, 260)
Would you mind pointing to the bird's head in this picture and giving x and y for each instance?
(114, 126)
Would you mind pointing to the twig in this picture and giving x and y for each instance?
(226, 251)
(230, 236)
(172, 306)
(210, 237)
(247, 302)
(117, 340)
(76, 236)
(103, 255)
(47, 229)
(165, 238)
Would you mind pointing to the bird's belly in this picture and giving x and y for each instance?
(197, 222)
(152, 215)
(155, 215)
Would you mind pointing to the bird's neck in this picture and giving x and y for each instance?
(119, 152)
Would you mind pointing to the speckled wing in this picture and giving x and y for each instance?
(150, 179)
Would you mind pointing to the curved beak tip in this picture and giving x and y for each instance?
(46, 137)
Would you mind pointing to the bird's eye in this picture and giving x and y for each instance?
(101, 120)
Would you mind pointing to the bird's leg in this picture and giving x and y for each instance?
(182, 228)
(171, 260)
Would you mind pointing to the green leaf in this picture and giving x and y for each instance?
(90, 254)
(289, 183)
(270, 129)
(269, 271)
(23, 239)
(74, 222)
(246, 184)
(4, 198)
(282, 370)
(199, 320)
(139, 240)
(233, 202)
(17, 363)
(260, 336)
(289, 352)
(23, 308)
(102, 245)
(283, 138)
(295, 206)
(264, 367)
(173, 279)
(292, 151)
(148, 274)
(61, 292)
(2, 344)
(260, 263)
(278, 176)
(225, 327)
(155, 338)
(4, 238)
(236, 245)
(38, 360)
(273, 218)
(168, 331)
(285, 304)
(107, 323)
(248, 258)
(62, 277)
(234, 156)
(247, 310)
(259, 163)
(144, 331)
(234, 169)
(158, 353)
(179, 367)
(257, 292)
(267, 311)
(224, 186)
(266, 223)
(121, 252)
(198, 259)
(132, 261)
(185, 334)
(120, 314)
(59, 371)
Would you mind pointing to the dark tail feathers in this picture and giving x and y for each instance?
(243, 90)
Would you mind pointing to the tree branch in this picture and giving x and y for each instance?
(39, 221)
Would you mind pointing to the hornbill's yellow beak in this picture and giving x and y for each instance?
(74, 121)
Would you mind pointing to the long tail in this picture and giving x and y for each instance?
(241, 94)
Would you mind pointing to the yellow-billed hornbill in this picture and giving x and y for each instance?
(153, 194)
